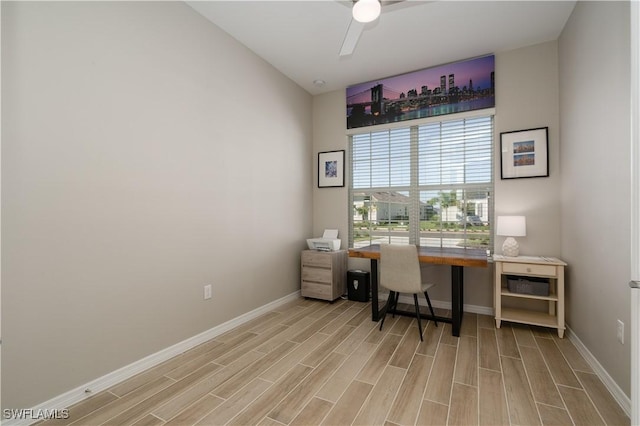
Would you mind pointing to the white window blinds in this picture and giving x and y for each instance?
(381, 159)
(456, 152)
(427, 184)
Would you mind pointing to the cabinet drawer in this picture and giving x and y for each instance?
(315, 290)
(319, 275)
(529, 269)
(315, 258)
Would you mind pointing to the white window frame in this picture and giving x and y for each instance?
(413, 189)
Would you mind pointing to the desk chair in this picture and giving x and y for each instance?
(400, 273)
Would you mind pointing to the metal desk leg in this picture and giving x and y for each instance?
(457, 298)
(375, 312)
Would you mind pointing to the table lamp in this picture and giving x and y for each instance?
(511, 226)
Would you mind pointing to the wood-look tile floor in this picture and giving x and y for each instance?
(312, 363)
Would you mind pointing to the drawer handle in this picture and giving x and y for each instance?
(528, 269)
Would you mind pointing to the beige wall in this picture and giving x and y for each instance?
(330, 206)
(596, 193)
(130, 179)
(526, 97)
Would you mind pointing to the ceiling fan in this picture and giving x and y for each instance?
(363, 12)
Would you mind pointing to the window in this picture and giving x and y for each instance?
(428, 184)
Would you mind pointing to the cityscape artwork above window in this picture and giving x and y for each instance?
(446, 89)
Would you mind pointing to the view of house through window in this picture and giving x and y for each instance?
(429, 184)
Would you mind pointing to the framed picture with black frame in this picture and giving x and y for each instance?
(330, 169)
(524, 153)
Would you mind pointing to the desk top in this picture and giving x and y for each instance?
(435, 255)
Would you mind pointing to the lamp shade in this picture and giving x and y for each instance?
(366, 10)
(511, 226)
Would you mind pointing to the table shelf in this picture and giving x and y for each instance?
(506, 293)
(528, 317)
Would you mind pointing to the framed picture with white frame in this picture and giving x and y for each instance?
(330, 169)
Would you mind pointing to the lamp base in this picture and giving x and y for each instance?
(510, 248)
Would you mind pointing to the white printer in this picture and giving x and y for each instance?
(328, 242)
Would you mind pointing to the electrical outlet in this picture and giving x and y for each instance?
(620, 332)
(207, 291)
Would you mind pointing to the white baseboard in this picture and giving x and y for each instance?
(105, 382)
(621, 398)
(476, 309)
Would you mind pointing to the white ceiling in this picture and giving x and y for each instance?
(302, 38)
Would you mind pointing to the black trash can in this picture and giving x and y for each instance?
(358, 285)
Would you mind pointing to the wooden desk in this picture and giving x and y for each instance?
(455, 257)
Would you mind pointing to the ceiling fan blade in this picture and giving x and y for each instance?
(351, 38)
(356, 28)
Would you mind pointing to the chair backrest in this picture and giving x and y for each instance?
(400, 268)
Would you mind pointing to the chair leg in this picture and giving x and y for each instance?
(431, 308)
(415, 300)
(389, 304)
(395, 303)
